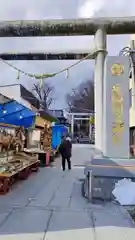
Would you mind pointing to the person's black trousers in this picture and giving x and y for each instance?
(64, 163)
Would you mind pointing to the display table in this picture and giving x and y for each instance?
(43, 155)
(33, 150)
(16, 167)
(7, 179)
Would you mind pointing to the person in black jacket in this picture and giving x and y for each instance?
(65, 150)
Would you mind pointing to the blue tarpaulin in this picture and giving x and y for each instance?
(14, 113)
(57, 132)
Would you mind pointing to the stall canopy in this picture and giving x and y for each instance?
(14, 113)
(57, 132)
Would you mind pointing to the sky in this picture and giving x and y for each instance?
(58, 9)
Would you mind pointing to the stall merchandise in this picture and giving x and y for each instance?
(11, 163)
(15, 118)
(12, 138)
(46, 137)
(46, 133)
(14, 163)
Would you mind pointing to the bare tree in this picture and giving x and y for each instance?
(82, 98)
(44, 94)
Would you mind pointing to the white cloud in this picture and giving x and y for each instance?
(47, 9)
(89, 8)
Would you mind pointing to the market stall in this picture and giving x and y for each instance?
(14, 163)
(46, 133)
(40, 139)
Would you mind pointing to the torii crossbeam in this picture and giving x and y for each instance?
(33, 28)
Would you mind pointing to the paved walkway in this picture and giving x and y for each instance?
(49, 206)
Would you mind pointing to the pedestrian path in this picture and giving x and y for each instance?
(49, 206)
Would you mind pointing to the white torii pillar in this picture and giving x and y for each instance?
(100, 44)
(98, 47)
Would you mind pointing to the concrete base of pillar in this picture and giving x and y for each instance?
(112, 168)
(102, 174)
(101, 189)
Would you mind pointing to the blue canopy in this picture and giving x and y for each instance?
(57, 132)
(14, 113)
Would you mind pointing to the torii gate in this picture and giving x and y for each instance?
(99, 27)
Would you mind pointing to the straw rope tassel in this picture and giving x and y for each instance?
(67, 73)
(18, 75)
(41, 83)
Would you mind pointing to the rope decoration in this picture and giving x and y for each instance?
(43, 76)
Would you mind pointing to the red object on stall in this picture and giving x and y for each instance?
(47, 158)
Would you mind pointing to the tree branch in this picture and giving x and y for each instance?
(82, 97)
(44, 94)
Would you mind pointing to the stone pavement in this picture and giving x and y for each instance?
(49, 206)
